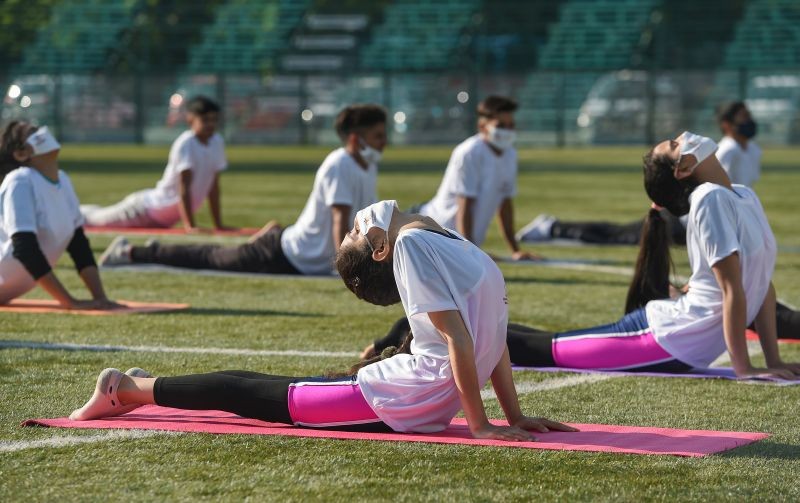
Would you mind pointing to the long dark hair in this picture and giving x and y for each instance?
(12, 139)
(370, 280)
(654, 263)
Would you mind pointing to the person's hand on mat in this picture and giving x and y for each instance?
(94, 304)
(541, 424)
(520, 255)
(794, 367)
(368, 352)
(226, 228)
(508, 433)
(196, 230)
(770, 373)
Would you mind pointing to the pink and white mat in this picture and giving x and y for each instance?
(591, 438)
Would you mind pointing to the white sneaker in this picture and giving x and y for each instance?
(538, 230)
(117, 253)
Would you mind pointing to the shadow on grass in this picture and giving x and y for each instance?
(224, 311)
(766, 450)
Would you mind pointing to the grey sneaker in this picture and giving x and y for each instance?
(117, 253)
(538, 230)
(151, 242)
(138, 372)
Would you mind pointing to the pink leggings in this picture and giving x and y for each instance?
(329, 403)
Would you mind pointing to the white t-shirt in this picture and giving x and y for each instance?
(308, 244)
(29, 202)
(721, 222)
(417, 392)
(743, 165)
(187, 152)
(475, 171)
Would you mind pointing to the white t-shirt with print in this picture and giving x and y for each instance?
(743, 165)
(720, 223)
(340, 180)
(29, 202)
(417, 391)
(475, 171)
(187, 153)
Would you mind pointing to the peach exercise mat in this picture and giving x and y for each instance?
(51, 306)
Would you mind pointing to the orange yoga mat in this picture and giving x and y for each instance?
(159, 231)
(51, 306)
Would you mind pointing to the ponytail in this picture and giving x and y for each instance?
(653, 265)
(405, 347)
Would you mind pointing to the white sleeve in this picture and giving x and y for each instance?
(19, 208)
(467, 174)
(182, 157)
(716, 228)
(417, 269)
(222, 165)
(337, 187)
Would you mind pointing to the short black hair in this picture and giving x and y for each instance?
(201, 105)
(356, 117)
(493, 105)
(727, 111)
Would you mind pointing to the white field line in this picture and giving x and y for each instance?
(525, 388)
(68, 441)
(167, 349)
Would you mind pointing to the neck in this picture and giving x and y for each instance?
(47, 165)
(741, 140)
(710, 171)
(353, 151)
(202, 138)
(402, 221)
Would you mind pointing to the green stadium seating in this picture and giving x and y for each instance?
(418, 35)
(79, 37)
(246, 36)
(767, 37)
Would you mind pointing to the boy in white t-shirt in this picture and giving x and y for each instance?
(481, 179)
(40, 220)
(196, 159)
(738, 153)
(345, 181)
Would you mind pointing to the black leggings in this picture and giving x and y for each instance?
(788, 322)
(263, 255)
(248, 394)
(614, 234)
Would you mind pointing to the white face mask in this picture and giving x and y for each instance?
(376, 215)
(501, 138)
(700, 147)
(43, 141)
(369, 154)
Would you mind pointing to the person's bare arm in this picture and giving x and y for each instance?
(91, 278)
(462, 361)
(466, 206)
(503, 384)
(185, 206)
(734, 308)
(214, 204)
(53, 286)
(340, 214)
(505, 216)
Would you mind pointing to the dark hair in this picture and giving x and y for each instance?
(494, 105)
(727, 111)
(358, 117)
(201, 105)
(405, 347)
(11, 140)
(370, 280)
(653, 265)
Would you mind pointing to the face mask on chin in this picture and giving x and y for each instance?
(701, 147)
(369, 154)
(376, 215)
(43, 142)
(500, 138)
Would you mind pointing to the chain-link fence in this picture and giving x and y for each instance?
(556, 108)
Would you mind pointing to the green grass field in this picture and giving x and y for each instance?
(319, 314)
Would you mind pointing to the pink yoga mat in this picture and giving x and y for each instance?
(51, 306)
(592, 437)
(172, 231)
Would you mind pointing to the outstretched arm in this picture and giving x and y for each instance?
(464, 219)
(340, 214)
(185, 205)
(214, 205)
(505, 216)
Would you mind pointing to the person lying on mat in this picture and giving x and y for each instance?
(344, 182)
(40, 219)
(196, 159)
(481, 179)
(454, 295)
(732, 254)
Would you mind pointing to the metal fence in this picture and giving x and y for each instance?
(556, 108)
